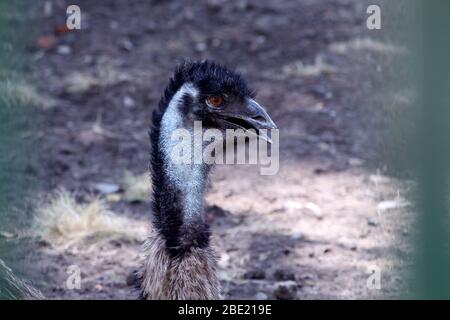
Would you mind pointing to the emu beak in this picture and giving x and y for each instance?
(252, 116)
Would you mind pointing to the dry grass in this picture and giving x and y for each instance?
(104, 75)
(64, 222)
(136, 187)
(21, 93)
(309, 70)
(366, 44)
(78, 82)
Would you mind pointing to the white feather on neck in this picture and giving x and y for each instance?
(189, 179)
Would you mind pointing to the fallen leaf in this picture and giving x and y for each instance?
(46, 42)
(61, 30)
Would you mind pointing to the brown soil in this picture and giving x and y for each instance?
(317, 223)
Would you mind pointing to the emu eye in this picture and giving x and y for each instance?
(215, 101)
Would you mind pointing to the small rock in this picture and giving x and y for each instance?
(114, 25)
(347, 243)
(116, 243)
(126, 45)
(6, 235)
(98, 287)
(261, 296)
(324, 147)
(64, 50)
(150, 27)
(297, 236)
(392, 204)
(314, 209)
(308, 208)
(286, 290)
(106, 188)
(128, 102)
(307, 279)
(188, 14)
(215, 43)
(321, 92)
(48, 8)
(201, 46)
(293, 205)
(43, 243)
(255, 274)
(229, 194)
(372, 223)
(224, 261)
(309, 283)
(284, 275)
(355, 162)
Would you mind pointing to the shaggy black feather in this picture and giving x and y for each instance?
(209, 78)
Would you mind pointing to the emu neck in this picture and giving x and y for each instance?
(183, 211)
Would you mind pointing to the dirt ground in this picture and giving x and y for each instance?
(313, 231)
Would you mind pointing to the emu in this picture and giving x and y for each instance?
(180, 263)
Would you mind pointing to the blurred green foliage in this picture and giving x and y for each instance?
(417, 140)
(433, 68)
(17, 179)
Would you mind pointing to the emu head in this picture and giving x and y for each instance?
(221, 99)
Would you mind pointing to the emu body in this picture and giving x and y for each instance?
(180, 263)
(15, 288)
